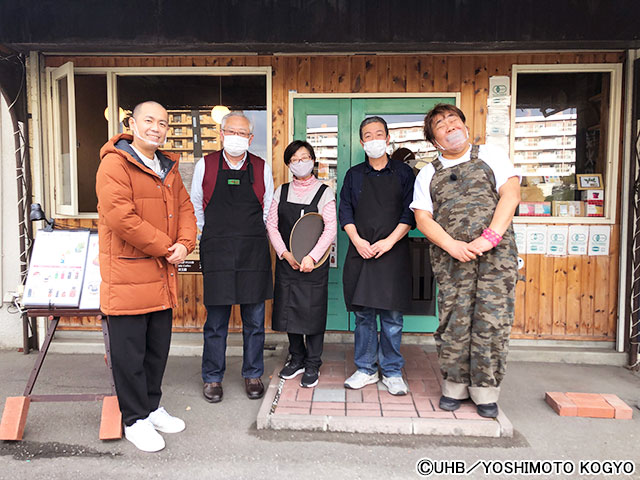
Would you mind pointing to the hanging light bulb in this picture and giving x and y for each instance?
(122, 113)
(219, 111)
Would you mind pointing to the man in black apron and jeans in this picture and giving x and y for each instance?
(374, 211)
(231, 191)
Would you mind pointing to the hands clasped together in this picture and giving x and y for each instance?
(305, 266)
(467, 251)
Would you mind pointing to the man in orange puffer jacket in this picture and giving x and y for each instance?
(147, 227)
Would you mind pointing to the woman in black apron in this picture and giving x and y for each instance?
(301, 292)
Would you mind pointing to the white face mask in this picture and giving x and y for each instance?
(301, 169)
(456, 139)
(375, 148)
(134, 129)
(235, 145)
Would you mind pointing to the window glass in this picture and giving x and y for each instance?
(189, 100)
(322, 134)
(560, 143)
(407, 143)
(63, 140)
(92, 131)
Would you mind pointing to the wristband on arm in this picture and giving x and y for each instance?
(492, 236)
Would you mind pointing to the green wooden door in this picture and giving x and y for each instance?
(326, 124)
(331, 125)
(395, 111)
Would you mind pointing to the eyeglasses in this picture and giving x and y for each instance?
(303, 158)
(240, 133)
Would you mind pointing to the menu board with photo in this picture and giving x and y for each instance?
(57, 268)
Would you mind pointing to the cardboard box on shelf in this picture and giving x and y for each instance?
(568, 209)
(593, 196)
(534, 209)
(594, 210)
(531, 193)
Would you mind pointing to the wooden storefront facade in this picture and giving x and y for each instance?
(560, 298)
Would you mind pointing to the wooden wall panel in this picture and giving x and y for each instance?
(560, 298)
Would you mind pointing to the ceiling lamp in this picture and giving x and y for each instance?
(122, 113)
(219, 111)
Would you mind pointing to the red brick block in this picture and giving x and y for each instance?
(290, 394)
(363, 406)
(324, 411)
(354, 396)
(304, 395)
(14, 418)
(370, 388)
(591, 405)
(622, 410)
(469, 416)
(290, 403)
(423, 404)
(562, 404)
(329, 405)
(291, 411)
(416, 386)
(292, 384)
(324, 380)
(398, 406)
(433, 414)
(432, 387)
(467, 407)
(399, 413)
(363, 413)
(370, 396)
(386, 397)
(111, 419)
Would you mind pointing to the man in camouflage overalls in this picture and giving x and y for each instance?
(464, 203)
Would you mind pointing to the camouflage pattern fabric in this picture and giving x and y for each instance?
(476, 299)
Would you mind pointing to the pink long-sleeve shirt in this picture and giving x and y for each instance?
(303, 191)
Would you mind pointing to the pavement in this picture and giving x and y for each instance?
(223, 441)
(331, 407)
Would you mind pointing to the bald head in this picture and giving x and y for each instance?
(143, 107)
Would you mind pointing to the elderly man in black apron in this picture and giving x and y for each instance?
(231, 192)
(374, 211)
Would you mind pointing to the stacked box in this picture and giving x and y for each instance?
(568, 209)
(534, 209)
(594, 202)
(594, 197)
(594, 210)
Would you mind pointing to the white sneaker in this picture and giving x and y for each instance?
(144, 436)
(164, 422)
(395, 385)
(360, 379)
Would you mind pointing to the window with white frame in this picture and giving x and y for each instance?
(565, 126)
(89, 105)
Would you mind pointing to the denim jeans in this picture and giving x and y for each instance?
(215, 341)
(369, 353)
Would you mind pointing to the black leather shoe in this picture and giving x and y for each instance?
(254, 388)
(489, 410)
(449, 404)
(212, 392)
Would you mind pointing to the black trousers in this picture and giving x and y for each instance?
(139, 351)
(310, 354)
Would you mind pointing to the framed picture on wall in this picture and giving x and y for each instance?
(589, 181)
